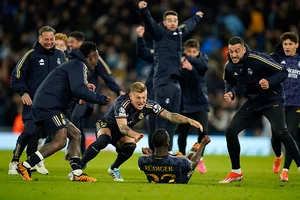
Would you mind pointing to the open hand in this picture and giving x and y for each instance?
(26, 99)
(196, 124)
(138, 137)
(147, 151)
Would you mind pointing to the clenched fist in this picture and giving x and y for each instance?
(140, 30)
(228, 96)
(142, 4)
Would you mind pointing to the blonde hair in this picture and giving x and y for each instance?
(138, 87)
(62, 36)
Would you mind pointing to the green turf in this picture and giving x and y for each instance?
(259, 182)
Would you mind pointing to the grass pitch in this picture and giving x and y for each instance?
(259, 181)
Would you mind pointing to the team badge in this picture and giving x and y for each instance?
(250, 72)
(167, 101)
(156, 108)
(122, 112)
(141, 116)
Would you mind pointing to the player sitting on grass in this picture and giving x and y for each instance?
(161, 167)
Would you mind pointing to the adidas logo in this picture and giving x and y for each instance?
(42, 62)
(175, 33)
(235, 73)
(283, 62)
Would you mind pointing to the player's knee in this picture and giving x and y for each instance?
(101, 142)
(230, 132)
(281, 133)
(75, 135)
(127, 149)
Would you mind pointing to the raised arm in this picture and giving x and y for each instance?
(153, 28)
(143, 52)
(189, 25)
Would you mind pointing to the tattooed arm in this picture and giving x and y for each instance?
(127, 131)
(180, 119)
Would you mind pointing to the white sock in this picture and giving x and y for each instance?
(77, 172)
(298, 169)
(237, 171)
(39, 155)
(26, 164)
(285, 169)
(201, 159)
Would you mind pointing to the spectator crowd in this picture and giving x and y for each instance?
(111, 25)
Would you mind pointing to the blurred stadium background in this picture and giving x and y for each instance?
(111, 24)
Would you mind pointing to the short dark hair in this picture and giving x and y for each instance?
(236, 40)
(160, 138)
(138, 87)
(87, 47)
(289, 35)
(77, 35)
(46, 29)
(192, 43)
(169, 12)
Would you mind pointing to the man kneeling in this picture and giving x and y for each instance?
(161, 167)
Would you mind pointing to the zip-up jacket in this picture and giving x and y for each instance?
(32, 69)
(168, 47)
(193, 87)
(246, 75)
(193, 84)
(61, 85)
(291, 85)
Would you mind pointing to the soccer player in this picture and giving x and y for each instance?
(287, 54)
(116, 126)
(84, 111)
(161, 167)
(259, 77)
(29, 73)
(168, 49)
(50, 103)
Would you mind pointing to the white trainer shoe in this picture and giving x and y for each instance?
(12, 167)
(115, 174)
(40, 168)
